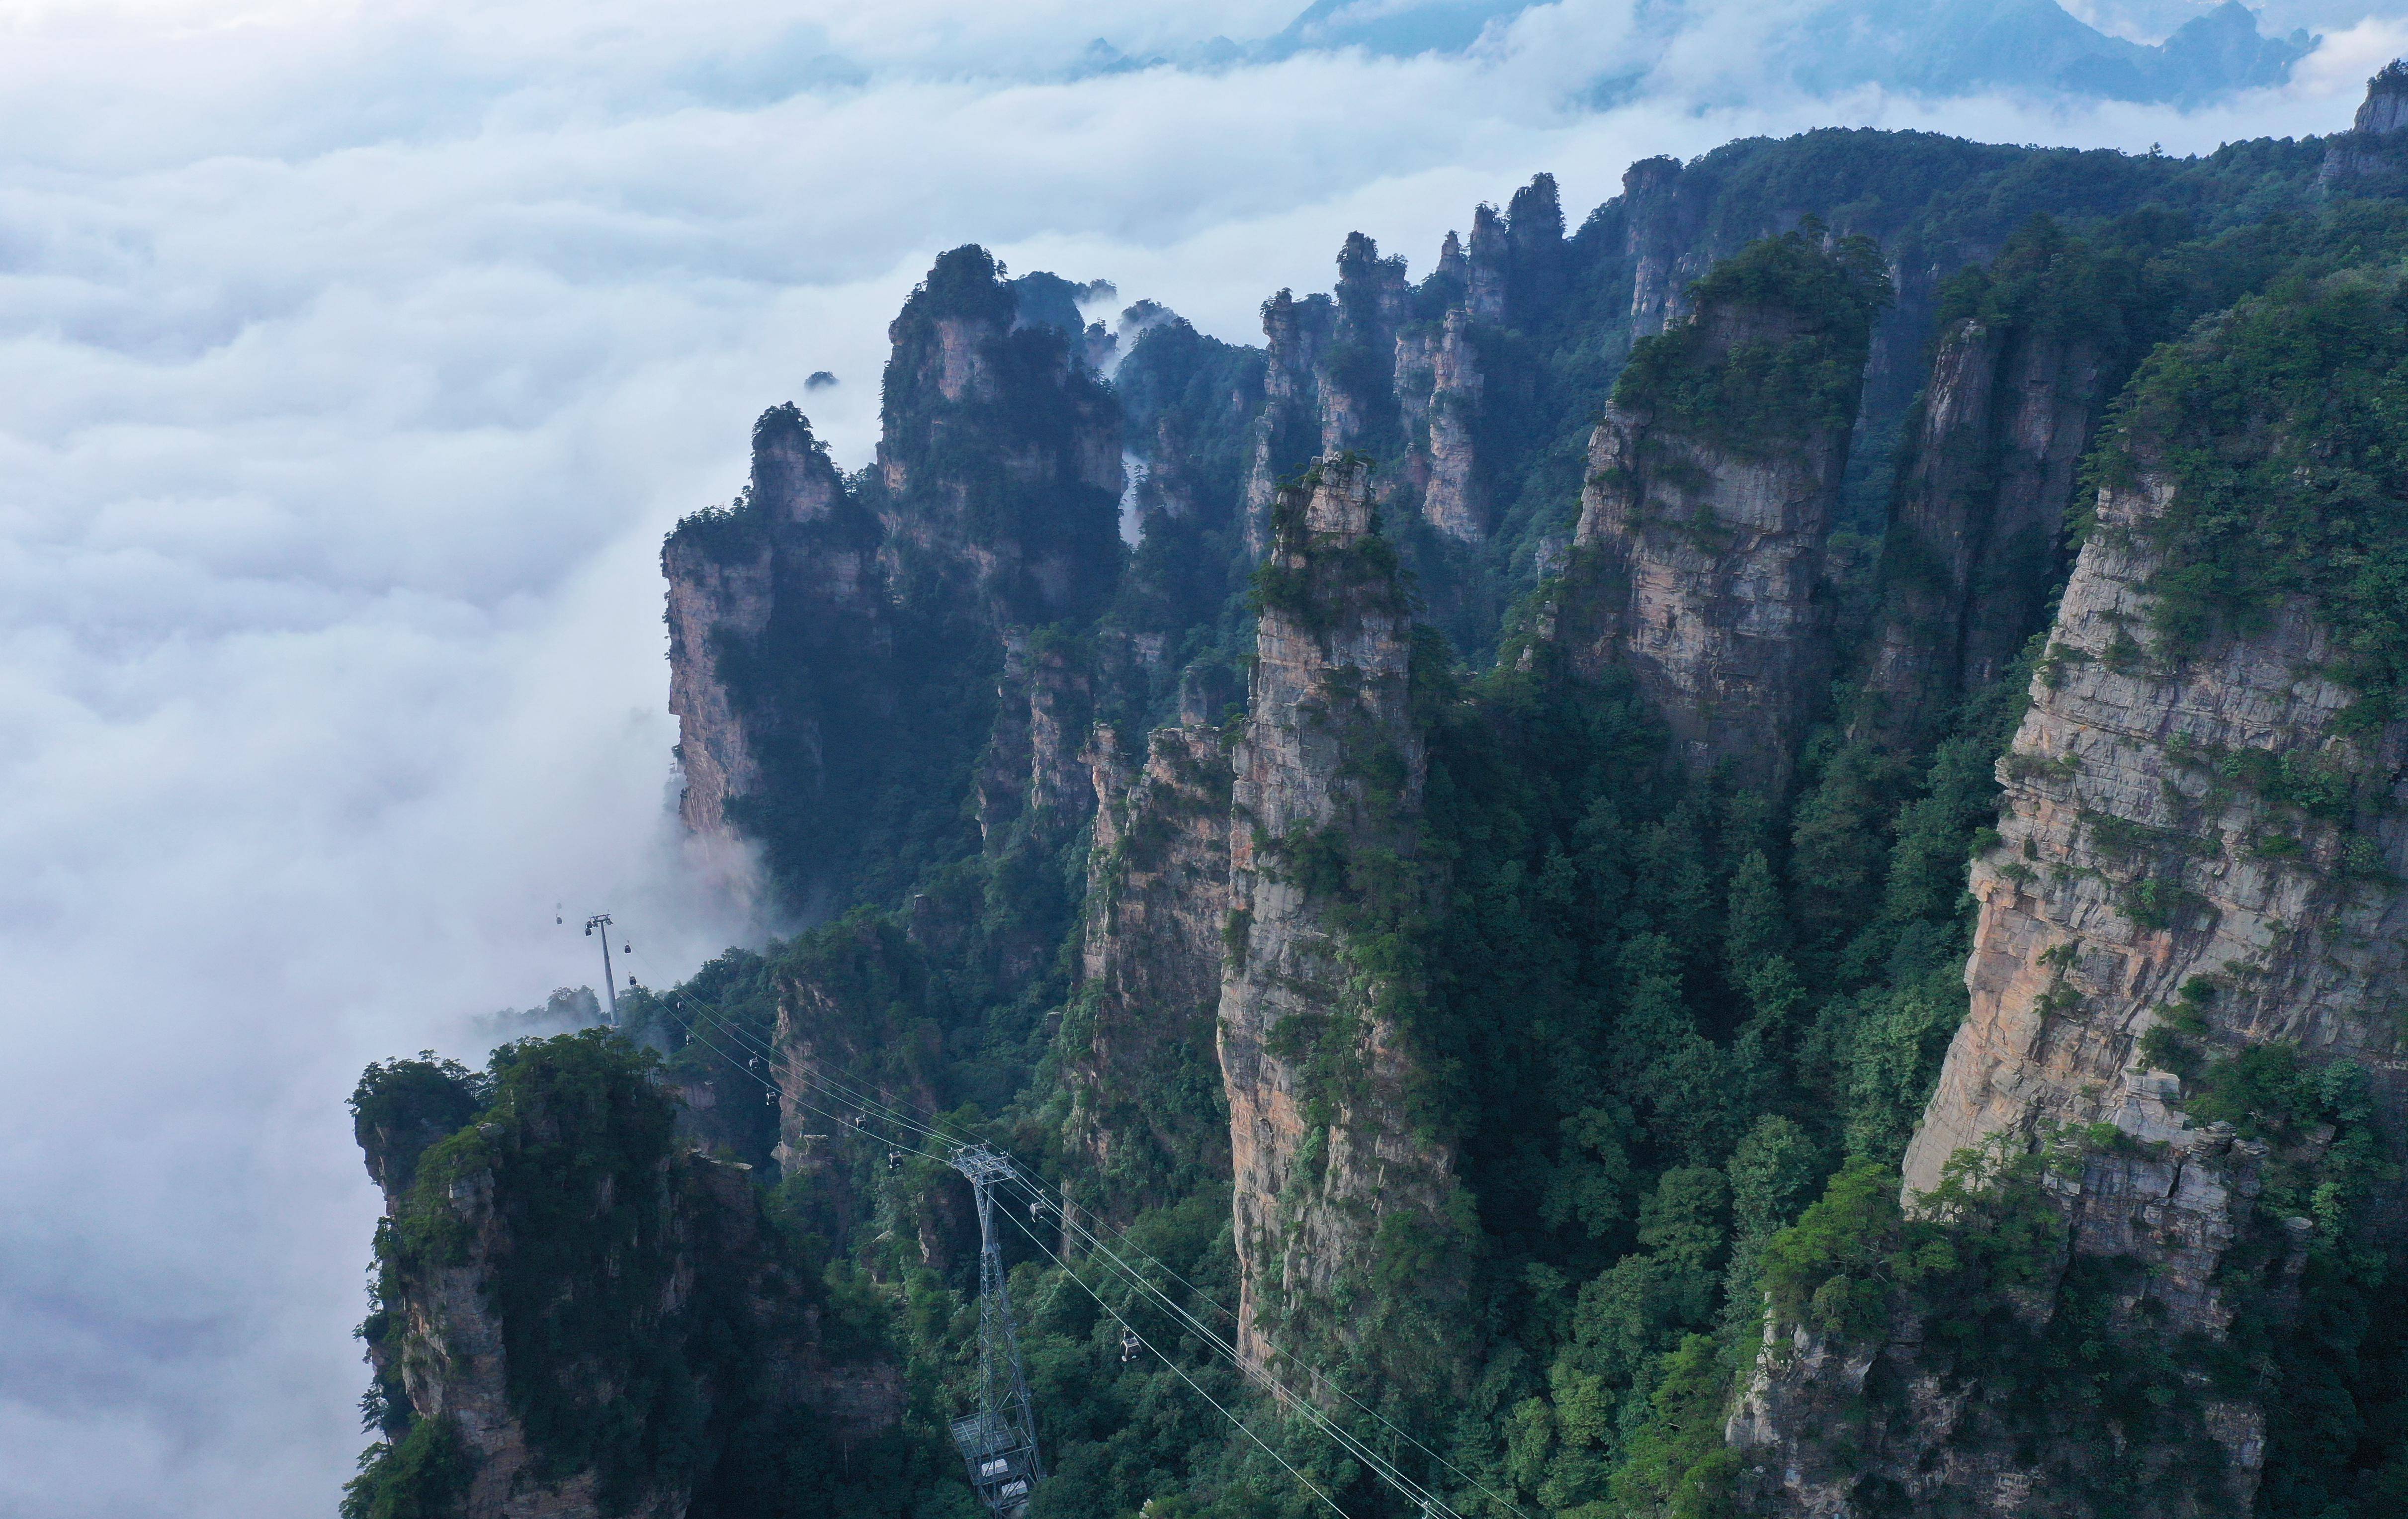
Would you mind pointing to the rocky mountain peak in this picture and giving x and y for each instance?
(1451, 265)
(1699, 555)
(2384, 110)
(794, 481)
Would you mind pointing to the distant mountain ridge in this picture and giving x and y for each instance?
(1922, 47)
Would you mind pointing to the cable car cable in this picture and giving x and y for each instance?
(1040, 1193)
(1310, 1484)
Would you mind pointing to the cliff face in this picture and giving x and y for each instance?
(2146, 904)
(1512, 274)
(1356, 374)
(1287, 431)
(1146, 1105)
(1659, 233)
(576, 1314)
(2368, 159)
(1699, 556)
(1035, 763)
(1708, 567)
(826, 638)
(708, 600)
(1981, 513)
(2127, 868)
(794, 542)
(1440, 385)
(1393, 368)
(1328, 784)
(1000, 455)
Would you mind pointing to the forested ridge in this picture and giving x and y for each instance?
(1646, 1036)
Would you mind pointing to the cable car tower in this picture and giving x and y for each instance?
(999, 1443)
(609, 985)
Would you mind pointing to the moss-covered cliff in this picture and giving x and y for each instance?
(2186, 989)
(574, 1315)
(1475, 906)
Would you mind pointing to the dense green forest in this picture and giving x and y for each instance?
(1677, 1032)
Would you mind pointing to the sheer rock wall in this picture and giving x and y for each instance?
(2125, 870)
(1145, 1097)
(1699, 567)
(1330, 766)
(1974, 539)
(2133, 883)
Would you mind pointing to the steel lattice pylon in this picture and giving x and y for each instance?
(998, 1442)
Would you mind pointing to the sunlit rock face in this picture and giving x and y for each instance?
(2132, 886)
(1326, 787)
(2125, 870)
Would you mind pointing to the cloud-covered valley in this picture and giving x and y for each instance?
(353, 360)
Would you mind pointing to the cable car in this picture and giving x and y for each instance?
(1129, 1343)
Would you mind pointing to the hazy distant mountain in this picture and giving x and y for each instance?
(1945, 46)
(1935, 47)
(1393, 28)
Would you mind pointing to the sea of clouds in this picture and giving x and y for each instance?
(355, 357)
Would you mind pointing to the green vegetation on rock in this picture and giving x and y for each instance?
(1672, 1034)
(1775, 353)
(2284, 428)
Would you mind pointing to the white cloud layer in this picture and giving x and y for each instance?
(353, 359)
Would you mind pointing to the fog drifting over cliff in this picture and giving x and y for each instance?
(354, 360)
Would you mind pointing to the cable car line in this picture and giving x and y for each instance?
(1347, 1440)
(773, 1088)
(1043, 1196)
(1260, 1375)
(1353, 1445)
(869, 1105)
(1311, 1486)
(1271, 1384)
(837, 1087)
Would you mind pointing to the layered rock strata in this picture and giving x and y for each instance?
(1145, 1096)
(2134, 885)
(1699, 566)
(2128, 868)
(1326, 787)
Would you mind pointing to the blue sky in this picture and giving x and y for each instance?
(352, 360)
